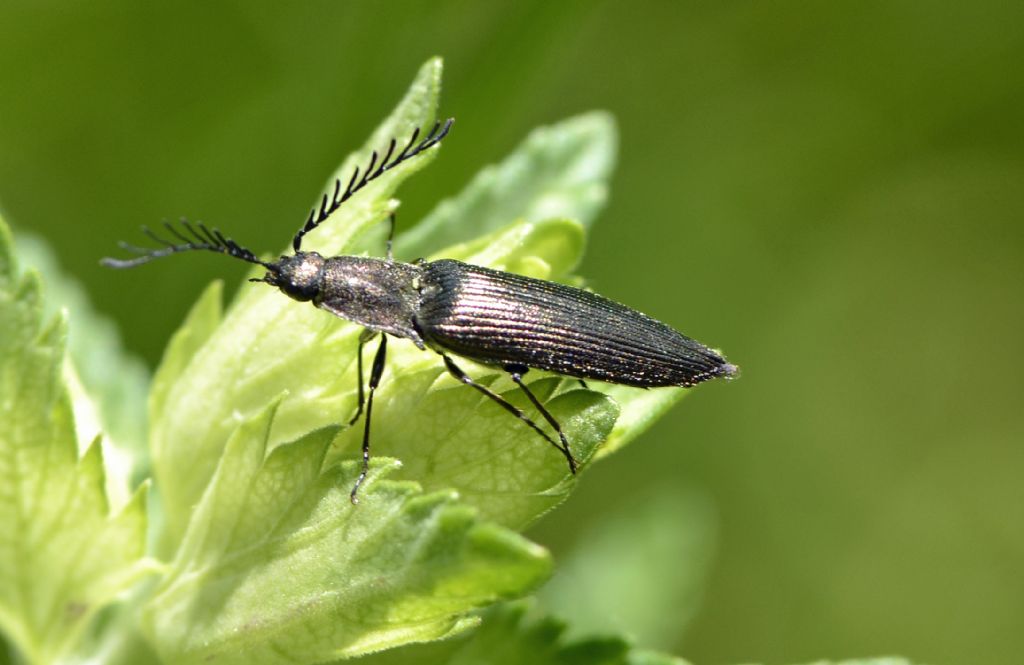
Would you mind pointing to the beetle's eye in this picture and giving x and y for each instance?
(300, 292)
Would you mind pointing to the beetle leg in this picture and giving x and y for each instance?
(454, 370)
(375, 374)
(364, 337)
(517, 372)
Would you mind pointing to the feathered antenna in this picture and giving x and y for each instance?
(329, 204)
(191, 237)
(198, 236)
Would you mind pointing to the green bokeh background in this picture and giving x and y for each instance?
(833, 193)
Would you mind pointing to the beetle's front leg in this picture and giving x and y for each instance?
(375, 374)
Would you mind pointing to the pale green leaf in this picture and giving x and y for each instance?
(199, 324)
(546, 249)
(266, 343)
(107, 385)
(450, 436)
(416, 110)
(278, 565)
(509, 635)
(244, 581)
(560, 171)
(63, 556)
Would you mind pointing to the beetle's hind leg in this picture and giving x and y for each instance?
(455, 371)
(517, 372)
(375, 374)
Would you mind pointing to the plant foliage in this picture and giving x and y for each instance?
(254, 552)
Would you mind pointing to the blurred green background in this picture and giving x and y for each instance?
(833, 193)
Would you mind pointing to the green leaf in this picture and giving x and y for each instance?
(278, 565)
(547, 249)
(108, 386)
(508, 634)
(447, 436)
(640, 571)
(267, 344)
(199, 324)
(271, 375)
(560, 171)
(450, 436)
(63, 556)
(416, 110)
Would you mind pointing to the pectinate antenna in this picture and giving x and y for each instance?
(185, 237)
(373, 170)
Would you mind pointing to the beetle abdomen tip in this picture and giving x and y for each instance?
(730, 371)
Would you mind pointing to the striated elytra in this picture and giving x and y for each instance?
(453, 308)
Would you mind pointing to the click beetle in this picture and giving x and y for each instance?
(456, 309)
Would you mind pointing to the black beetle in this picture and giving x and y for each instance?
(491, 317)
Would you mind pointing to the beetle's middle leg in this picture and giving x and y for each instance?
(517, 372)
(375, 374)
(455, 371)
(364, 337)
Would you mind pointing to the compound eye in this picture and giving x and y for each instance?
(301, 291)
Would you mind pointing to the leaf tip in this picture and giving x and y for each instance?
(433, 64)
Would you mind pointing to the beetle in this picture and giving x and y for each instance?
(453, 308)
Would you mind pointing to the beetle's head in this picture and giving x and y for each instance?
(300, 275)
